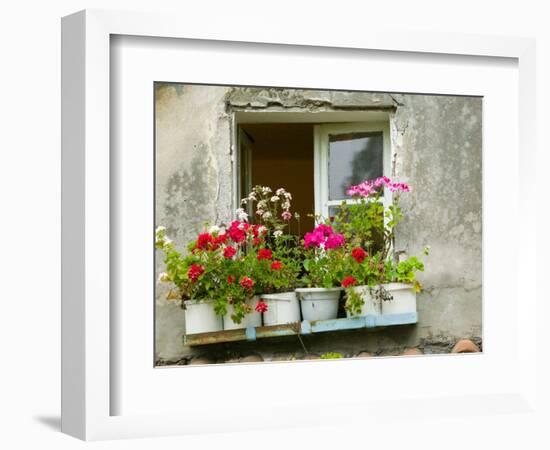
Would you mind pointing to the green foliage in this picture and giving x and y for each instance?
(323, 268)
(332, 355)
(281, 272)
(367, 224)
(354, 301)
(218, 282)
(404, 271)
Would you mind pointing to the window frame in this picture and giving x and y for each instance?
(321, 159)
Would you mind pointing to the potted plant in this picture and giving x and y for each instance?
(274, 256)
(236, 300)
(401, 285)
(375, 282)
(362, 273)
(194, 280)
(323, 263)
(277, 273)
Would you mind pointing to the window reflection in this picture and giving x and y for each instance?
(353, 158)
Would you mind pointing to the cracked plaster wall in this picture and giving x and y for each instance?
(436, 146)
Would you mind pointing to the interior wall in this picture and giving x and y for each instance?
(283, 157)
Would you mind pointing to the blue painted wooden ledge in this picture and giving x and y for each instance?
(304, 327)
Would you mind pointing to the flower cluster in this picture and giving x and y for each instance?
(359, 254)
(261, 306)
(239, 232)
(349, 281)
(247, 283)
(256, 253)
(324, 237)
(265, 253)
(271, 208)
(209, 242)
(372, 187)
(194, 272)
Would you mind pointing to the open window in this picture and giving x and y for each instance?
(314, 161)
(346, 155)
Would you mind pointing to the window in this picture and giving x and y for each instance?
(347, 154)
(316, 162)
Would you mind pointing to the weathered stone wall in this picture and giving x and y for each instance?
(193, 182)
(436, 145)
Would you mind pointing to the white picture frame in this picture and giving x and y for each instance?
(86, 284)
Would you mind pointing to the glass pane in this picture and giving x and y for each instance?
(353, 158)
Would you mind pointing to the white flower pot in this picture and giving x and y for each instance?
(319, 303)
(253, 319)
(200, 317)
(282, 308)
(371, 305)
(404, 299)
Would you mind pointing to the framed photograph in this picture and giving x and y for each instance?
(249, 220)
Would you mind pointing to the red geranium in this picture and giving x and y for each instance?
(247, 283)
(349, 281)
(221, 239)
(359, 254)
(237, 231)
(230, 279)
(276, 265)
(257, 241)
(258, 230)
(195, 271)
(229, 252)
(264, 253)
(204, 241)
(261, 306)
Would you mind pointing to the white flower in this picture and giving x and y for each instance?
(286, 205)
(241, 215)
(266, 215)
(167, 241)
(222, 231)
(266, 190)
(288, 196)
(160, 229)
(214, 229)
(241, 226)
(274, 199)
(262, 229)
(163, 277)
(259, 212)
(296, 215)
(262, 204)
(280, 191)
(252, 196)
(243, 201)
(277, 233)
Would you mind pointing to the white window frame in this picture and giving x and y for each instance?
(244, 158)
(321, 160)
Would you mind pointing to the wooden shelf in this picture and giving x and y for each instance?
(304, 327)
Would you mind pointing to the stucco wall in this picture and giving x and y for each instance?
(436, 145)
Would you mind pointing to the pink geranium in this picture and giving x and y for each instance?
(334, 240)
(323, 236)
(371, 187)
